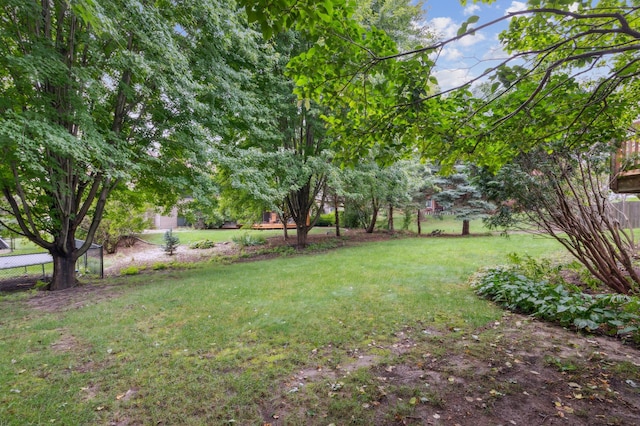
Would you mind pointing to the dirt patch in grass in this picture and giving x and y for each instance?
(72, 298)
(516, 371)
(66, 342)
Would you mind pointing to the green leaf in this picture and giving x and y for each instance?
(462, 29)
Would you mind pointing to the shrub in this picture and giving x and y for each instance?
(613, 314)
(352, 217)
(246, 240)
(159, 266)
(537, 270)
(202, 244)
(130, 270)
(123, 219)
(279, 250)
(327, 219)
(170, 242)
(321, 246)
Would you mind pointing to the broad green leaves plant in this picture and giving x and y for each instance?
(609, 313)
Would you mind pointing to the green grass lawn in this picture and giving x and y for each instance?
(216, 344)
(448, 225)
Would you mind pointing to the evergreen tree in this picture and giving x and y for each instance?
(459, 196)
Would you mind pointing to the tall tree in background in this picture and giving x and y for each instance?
(369, 188)
(560, 43)
(285, 162)
(459, 196)
(399, 19)
(300, 117)
(421, 182)
(98, 93)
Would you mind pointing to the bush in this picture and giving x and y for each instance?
(322, 246)
(612, 314)
(130, 270)
(123, 219)
(277, 250)
(246, 240)
(327, 219)
(159, 266)
(202, 244)
(537, 270)
(352, 217)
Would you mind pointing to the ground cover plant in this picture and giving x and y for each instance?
(613, 314)
(380, 333)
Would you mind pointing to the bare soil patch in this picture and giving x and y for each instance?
(517, 371)
(72, 298)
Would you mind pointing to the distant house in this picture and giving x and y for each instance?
(432, 207)
(170, 221)
(271, 220)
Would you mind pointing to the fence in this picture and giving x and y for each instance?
(21, 268)
(92, 262)
(625, 167)
(24, 267)
(628, 214)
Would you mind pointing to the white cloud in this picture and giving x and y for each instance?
(471, 9)
(471, 40)
(451, 54)
(444, 27)
(450, 78)
(516, 6)
(495, 52)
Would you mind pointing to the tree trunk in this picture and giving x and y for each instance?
(390, 218)
(465, 227)
(335, 207)
(64, 272)
(374, 218)
(419, 224)
(284, 219)
(301, 232)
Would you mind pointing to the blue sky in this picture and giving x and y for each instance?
(462, 61)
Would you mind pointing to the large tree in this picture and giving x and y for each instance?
(553, 44)
(98, 93)
(294, 131)
(282, 164)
